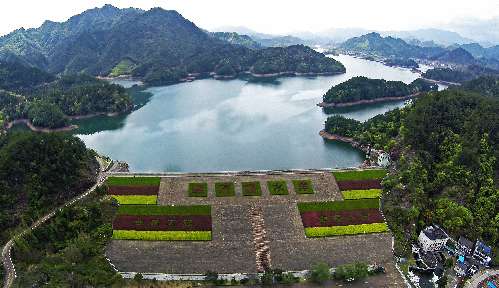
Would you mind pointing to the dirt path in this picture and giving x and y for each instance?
(10, 272)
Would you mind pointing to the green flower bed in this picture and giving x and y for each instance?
(277, 187)
(164, 210)
(133, 181)
(360, 175)
(361, 194)
(303, 187)
(251, 188)
(224, 189)
(136, 199)
(345, 230)
(338, 205)
(162, 235)
(198, 190)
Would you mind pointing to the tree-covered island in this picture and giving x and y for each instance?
(358, 90)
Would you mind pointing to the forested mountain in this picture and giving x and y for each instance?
(237, 40)
(459, 75)
(159, 45)
(373, 43)
(363, 88)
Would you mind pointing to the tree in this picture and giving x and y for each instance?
(211, 276)
(319, 272)
(442, 282)
(138, 277)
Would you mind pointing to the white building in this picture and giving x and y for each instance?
(432, 239)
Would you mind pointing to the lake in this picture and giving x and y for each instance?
(245, 124)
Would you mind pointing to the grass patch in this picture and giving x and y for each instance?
(345, 230)
(338, 205)
(224, 189)
(133, 181)
(162, 235)
(136, 199)
(164, 210)
(361, 194)
(360, 175)
(303, 187)
(198, 190)
(277, 187)
(251, 188)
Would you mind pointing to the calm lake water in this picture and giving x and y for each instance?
(244, 124)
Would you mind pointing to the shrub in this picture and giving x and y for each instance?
(361, 194)
(303, 187)
(198, 190)
(224, 189)
(133, 181)
(345, 230)
(319, 272)
(338, 205)
(360, 175)
(138, 277)
(162, 235)
(136, 199)
(277, 187)
(252, 188)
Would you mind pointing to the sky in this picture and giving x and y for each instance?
(270, 16)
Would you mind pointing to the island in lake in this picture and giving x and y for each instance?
(359, 90)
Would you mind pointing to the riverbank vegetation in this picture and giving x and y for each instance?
(445, 145)
(363, 88)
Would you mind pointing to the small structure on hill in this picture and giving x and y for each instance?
(482, 253)
(465, 246)
(432, 239)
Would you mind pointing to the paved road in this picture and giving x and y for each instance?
(10, 272)
(479, 277)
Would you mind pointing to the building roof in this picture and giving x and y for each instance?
(434, 233)
(462, 266)
(483, 248)
(465, 242)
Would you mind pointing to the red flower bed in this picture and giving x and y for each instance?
(341, 218)
(162, 222)
(359, 184)
(133, 190)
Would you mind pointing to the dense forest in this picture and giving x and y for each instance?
(445, 145)
(38, 172)
(47, 100)
(363, 88)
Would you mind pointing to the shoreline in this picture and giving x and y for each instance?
(440, 81)
(382, 99)
(62, 129)
(345, 139)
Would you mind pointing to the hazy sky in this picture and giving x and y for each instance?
(269, 16)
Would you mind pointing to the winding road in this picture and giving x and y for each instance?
(10, 272)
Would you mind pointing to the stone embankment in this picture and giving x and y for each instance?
(326, 104)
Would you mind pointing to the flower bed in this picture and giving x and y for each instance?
(224, 189)
(162, 235)
(277, 187)
(303, 187)
(341, 218)
(198, 190)
(345, 230)
(163, 222)
(251, 188)
(360, 175)
(133, 181)
(133, 190)
(335, 218)
(338, 205)
(136, 199)
(361, 194)
(359, 184)
(147, 222)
